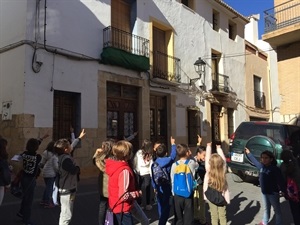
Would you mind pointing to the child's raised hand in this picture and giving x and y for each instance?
(82, 134)
(199, 139)
(247, 150)
(172, 140)
(209, 144)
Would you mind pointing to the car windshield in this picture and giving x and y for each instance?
(248, 130)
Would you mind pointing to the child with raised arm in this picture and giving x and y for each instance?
(215, 178)
(67, 180)
(183, 194)
(121, 183)
(163, 190)
(271, 184)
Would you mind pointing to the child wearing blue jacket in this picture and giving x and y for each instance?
(163, 191)
(271, 184)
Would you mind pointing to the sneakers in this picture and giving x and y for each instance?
(148, 207)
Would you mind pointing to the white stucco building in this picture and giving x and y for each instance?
(116, 67)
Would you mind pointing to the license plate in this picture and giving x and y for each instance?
(236, 157)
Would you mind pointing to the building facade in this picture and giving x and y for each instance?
(117, 67)
(282, 31)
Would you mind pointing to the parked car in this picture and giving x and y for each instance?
(258, 137)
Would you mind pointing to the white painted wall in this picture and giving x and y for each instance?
(77, 26)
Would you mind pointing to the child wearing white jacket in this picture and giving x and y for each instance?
(142, 164)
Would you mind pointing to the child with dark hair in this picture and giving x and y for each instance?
(67, 180)
(271, 184)
(163, 191)
(142, 164)
(184, 212)
(121, 183)
(31, 161)
(5, 174)
(49, 164)
(291, 173)
(199, 203)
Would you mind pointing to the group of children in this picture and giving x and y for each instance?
(178, 179)
(56, 164)
(124, 178)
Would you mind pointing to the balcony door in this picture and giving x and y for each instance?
(160, 59)
(120, 21)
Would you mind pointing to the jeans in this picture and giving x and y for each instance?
(139, 214)
(199, 205)
(217, 213)
(163, 204)
(125, 217)
(103, 205)
(47, 196)
(55, 195)
(183, 210)
(146, 189)
(268, 200)
(28, 185)
(67, 204)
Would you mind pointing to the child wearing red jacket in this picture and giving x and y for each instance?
(121, 183)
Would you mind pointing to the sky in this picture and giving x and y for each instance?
(250, 7)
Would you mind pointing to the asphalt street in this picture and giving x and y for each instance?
(245, 207)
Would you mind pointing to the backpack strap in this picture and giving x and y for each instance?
(186, 162)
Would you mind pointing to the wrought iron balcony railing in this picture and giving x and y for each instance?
(166, 67)
(114, 37)
(283, 15)
(221, 83)
(259, 99)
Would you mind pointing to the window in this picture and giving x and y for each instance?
(232, 30)
(259, 96)
(188, 3)
(66, 113)
(215, 20)
(193, 126)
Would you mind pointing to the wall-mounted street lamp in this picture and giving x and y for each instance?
(199, 68)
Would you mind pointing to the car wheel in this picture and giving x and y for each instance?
(236, 178)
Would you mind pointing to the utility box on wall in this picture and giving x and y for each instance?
(6, 110)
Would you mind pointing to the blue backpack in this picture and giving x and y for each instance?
(160, 175)
(183, 180)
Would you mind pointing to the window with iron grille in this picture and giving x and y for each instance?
(66, 114)
(259, 96)
(230, 114)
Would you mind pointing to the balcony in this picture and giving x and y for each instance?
(220, 84)
(282, 23)
(125, 49)
(166, 67)
(259, 99)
